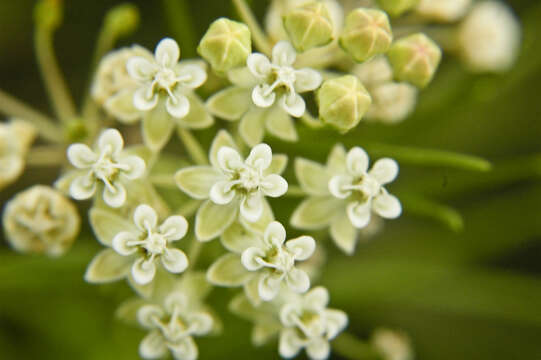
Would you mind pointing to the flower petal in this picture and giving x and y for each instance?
(307, 79)
(229, 159)
(336, 161)
(312, 176)
(145, 217)
(196, 181)
(222, 192)
(111, 140)
(280, 124)
(174, 227)
(275, 234)
(252, 126)
(178, 107)
(83, 187)
(107, 266)
(141, 99)
(337, 184)
(249, 258)
(157, 127)
(336, 321)
(262, 97)
(174, 260)
(298, 280)
(318, 348)
(357, 161)
(359, 214)
(223, 138)
(153, 346)
(251, 207)
(167, 52)
(230, 103)
(195, 74)
(147, 314)
(283, 54)
(114, 196)
(143, 271)
(81, 156)
(316, 212)
(140, 68)
(274, 185)
(387, 206)
(344, 233)
(136, 167)
(228, 271)
(211, 219)
(302, 247)
(121, 243)
(290, 344)
(293, 104)
(260, 156)
(317, 299)
(268, 287)
(237, 239)
(384, 170)
(200, 323)
(259, 65)
(198, 117)
(184, 349)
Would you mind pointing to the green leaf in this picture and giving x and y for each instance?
(228, 271)
(280, 124)
(211, 219)
(230, 103)
(157, 127)
(316, 212)
(223, 138)
(107, 224)
(312, 176)
(196, 181)
(237, 239)
(278, 164)
(344, 233)
(252, 126)
(108, 266)
(198, 117)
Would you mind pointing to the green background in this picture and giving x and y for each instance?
(475, 294)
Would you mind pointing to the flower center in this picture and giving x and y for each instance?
(155, 244)
(166, 78)
(286, 75)
(368, 186)
(282, 260)
(105, 168)
(249, 178)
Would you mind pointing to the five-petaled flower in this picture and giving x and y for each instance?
(106, 163)
(280, 81)
(152, 242)
(171, 327)
(165, 75)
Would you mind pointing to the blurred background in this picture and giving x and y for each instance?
(474, 294)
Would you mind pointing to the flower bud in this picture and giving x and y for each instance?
(392, 344)
(391, 102)
(226, 45)
(309, 26)
(49, 13)
(443, 10)
(367, 32)
(415, 59)
(41, 220)
(342, 102)
(397, 7)
(373, 72)
(15, 140)
(122, 19)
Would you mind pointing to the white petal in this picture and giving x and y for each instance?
(318, 349)
(81, 156)
(174, 260)
(357, 161)
(387, 206)
(142, 101)
(260, 156)
(229, 159)
(359, 214)
(274, 185)
(111, 140)
(249, 258)
(200, 323)
(148, 314)
(298, 280)
(268, 287)
(336, 321)
(136, 167)
(337, 184)
(283, 54)
(143, 271)
(261, 97)
(83, 187)
(121, 243)
(317, 298)
(259, 65)
(145, 217)
(222, 193)
(384, 170)
(307, 80)
(275, 234)
(293, 104)
(184, 349)
(140, 68)
(290, 344)
(178, 107)
(302, 247)
(197, 76)
(116, 196)
(153, 346)
(289, 313)
(174, 227)
(167, 52)
(176, 299)
(251, 207)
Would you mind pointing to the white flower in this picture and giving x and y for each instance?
(274, 258)
(443, 10)
(106, 163)
(489, 37)
(152, 242)
(364, 189)
(393, 345)
(310, 324)
(15, 140)
(280, 81)
(165, 74)
(172, 327)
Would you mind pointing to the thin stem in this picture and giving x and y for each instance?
(180, 22)
(420, 206)
(45, 126)
(163, 180)
(194, 148)
(46, 156)
(260, 39)
(295, 191)
(352, 348)
(429, 157)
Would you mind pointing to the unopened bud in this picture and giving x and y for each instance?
(392, 102)
(309, 26)
(367, 32)
(226, 45)
(415, 59)
(397, 7)
(122, 20)
(342, 102)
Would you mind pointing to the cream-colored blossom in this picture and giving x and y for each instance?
(16, 136)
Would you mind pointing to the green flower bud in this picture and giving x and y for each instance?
(342, 102)
(226, 45)
(309, 26)
(49, 13)
(367, 33)
(415, 59)
(397, 7)
(122, 19)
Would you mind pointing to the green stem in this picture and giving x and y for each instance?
(194, 148)
(429, 157)
(45, 126)
(180, 22)
(46, 156)
(194, 251)
(260, 39)
(295, 191)
(350, 347)
(420, 206)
